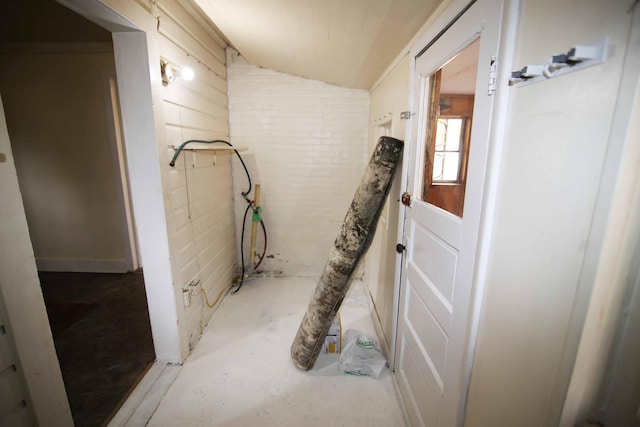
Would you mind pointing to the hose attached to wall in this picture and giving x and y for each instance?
(245, 194)
(172, 163)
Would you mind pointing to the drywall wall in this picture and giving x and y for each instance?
(306, 145)
(551, 169)
(22, 298)
(607, 366)
(388, 99)
(60, 123)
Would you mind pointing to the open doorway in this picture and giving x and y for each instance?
(56, 82)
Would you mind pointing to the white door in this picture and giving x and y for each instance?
(448, 150)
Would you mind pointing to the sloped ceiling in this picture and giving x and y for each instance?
(345, 42)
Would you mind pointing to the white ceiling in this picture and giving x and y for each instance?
(459, 74)
(344, 42)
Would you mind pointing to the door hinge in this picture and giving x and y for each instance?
(493, 72)
(406, 115)
(406, 199)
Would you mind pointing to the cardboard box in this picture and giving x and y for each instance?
(333, 340)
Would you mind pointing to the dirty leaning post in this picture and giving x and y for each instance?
(353, 241)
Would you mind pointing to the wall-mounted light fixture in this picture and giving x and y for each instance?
(170, 72)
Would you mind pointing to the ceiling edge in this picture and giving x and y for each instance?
(203, 19)
(406, 49)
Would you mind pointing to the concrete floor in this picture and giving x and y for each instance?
(240, 372)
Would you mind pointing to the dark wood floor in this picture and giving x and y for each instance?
(101, 330)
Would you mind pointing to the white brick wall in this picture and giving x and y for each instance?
(307, 144)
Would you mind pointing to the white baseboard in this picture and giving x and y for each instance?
(84, 265)
(377, 324)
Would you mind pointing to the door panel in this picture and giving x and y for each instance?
(426, 327)
(438, 305)
(420, 403)
(445, 225)
(435, 260)
(438, 269)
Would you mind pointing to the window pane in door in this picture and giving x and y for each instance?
(448, 117)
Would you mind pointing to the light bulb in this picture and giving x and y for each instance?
(187, 73)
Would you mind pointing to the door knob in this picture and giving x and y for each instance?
(400, 248)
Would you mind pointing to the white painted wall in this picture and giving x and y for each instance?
(388, 99)
(63, 142)
(546, 238)
(22, 298)
(199, 187)
(307, 148)
(604, 382)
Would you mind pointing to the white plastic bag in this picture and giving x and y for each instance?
(361, 355)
